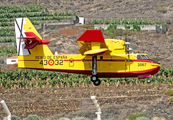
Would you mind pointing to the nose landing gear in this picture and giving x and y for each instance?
(148, 80)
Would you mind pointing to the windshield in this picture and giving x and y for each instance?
(145, 57)
(139, 57)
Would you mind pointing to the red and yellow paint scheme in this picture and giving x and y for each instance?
(99, 57)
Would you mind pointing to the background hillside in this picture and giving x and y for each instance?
(70, 93)
(156, 45)
(103, 8)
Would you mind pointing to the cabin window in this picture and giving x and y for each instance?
(13, 60)
(139, 57)
(101, 58)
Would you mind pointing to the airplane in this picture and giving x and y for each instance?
(99, 57)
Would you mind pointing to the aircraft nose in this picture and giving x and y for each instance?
(157, 65)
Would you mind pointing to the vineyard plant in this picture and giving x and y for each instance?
(129, 22)
(46, 79)
(36, 13)
(8, 51)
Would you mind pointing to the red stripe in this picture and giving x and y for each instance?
(73, 60)
(122, 60)
(149, 61)
(105, 74)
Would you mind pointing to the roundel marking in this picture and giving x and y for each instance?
(51, 62)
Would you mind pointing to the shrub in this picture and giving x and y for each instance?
(133, 116)
(164, 10)
(142, 118)
(88, 26)
(80, 118)
(170, 100)
(13, 117)
(156, 58)
(169, 92)
(32, 117)
(63, 118)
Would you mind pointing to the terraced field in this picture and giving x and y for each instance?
(36, 13)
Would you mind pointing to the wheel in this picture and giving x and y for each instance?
(94, 78)
(97, 82)
(148, 81)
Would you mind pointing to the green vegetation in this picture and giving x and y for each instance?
(156, 58)
(142, 118)
(15, 9)
(133, 116)
(7, 32)
(32, 117)
(14, 117)
(45, 79)
(106, 7)
(63, 118)
(128, 22)
(36, 13)
(169, 92)
(171, 101)
(7, 40)
(113, 32)
(164, 10)
(80, 118)
(8, 51)
(88, 26)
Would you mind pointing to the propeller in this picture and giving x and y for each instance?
(127, 50)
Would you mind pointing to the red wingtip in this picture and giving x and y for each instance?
(92, 36)
(45, 42)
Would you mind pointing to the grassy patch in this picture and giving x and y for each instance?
(169, 92)
(164, 10)
(133, 116)
(142, 118)
(106, 7)
(171, 101)
(113, 32)
(172, 5)
(88, 26)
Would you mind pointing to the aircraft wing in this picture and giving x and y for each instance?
(93, 43)
(96, 52)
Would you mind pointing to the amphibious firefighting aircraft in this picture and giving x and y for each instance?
(99, 57)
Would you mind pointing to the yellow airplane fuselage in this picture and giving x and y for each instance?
(107, 65)
(112, 58)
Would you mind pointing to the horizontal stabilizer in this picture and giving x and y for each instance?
(96, 52)
(32, 40)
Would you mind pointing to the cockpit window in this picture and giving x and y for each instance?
(143, 56)
(147, 56)
(139, 57)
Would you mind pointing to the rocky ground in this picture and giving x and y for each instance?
(116, 102)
